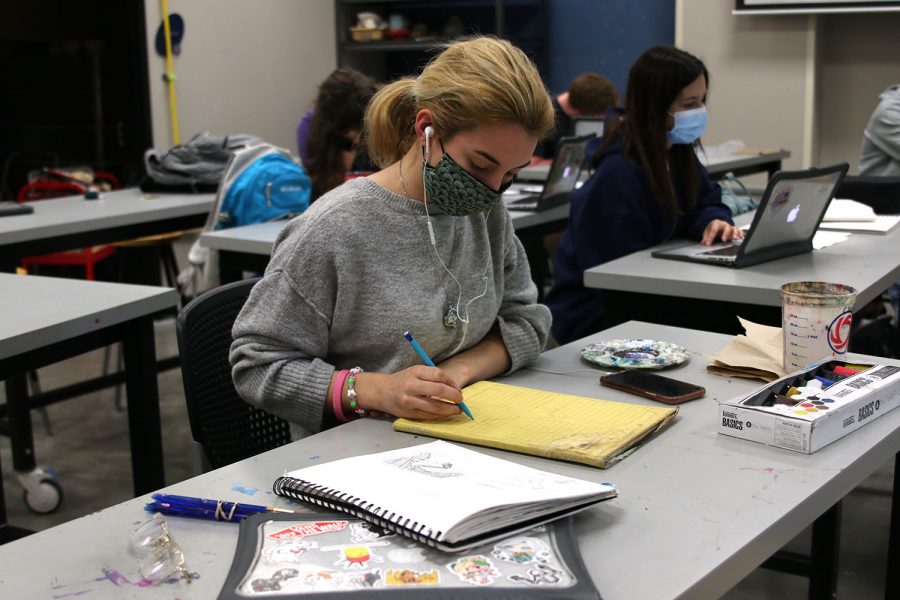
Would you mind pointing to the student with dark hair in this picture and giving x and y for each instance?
(589, 95)
(328, 137)
(647, 187)
(424, 244)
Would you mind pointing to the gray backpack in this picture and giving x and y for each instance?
(201, 161)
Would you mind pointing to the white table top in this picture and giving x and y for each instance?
(869, 263)
(260, 238)
(715, 165)
(74, 214)
(39, 311)
(697, 511)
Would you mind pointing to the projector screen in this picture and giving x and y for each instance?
(814, 6)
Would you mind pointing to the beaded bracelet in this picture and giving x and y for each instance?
(337, 394)
(351, 391)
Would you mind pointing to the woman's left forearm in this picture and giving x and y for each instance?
(488, 358)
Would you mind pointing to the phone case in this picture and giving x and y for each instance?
(692, 395)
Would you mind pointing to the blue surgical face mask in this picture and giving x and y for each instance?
(689, 126)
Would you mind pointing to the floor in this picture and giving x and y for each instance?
(89, 451)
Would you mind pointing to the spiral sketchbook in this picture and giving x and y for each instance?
(441, 494)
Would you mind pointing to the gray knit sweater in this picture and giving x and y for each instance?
(355, 271)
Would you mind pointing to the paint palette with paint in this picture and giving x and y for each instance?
(635, 354)
(332, 555)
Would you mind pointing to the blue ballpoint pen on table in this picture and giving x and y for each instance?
(201, 508)
(427, 360)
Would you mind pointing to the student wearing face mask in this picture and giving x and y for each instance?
(647, 186)
(423, 245)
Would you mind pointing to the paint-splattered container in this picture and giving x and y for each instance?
(816, 318)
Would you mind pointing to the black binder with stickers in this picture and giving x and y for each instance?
(332, 555)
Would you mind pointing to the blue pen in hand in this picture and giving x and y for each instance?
(427, 360)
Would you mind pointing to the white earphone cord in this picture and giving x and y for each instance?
(487, 264)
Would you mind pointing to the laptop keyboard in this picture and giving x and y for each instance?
(724, 252)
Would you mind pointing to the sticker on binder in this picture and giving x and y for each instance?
(539, 574)
(356, 557)
(273, 583)
(522, 550)
(289, 551)
(411, 577)
(365, 580)
(476, 569)
(363, 531)
(304, 529)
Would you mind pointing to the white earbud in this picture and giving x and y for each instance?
(429, 131)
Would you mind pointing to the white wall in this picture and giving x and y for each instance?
(760, 85)
(804, 83)
(859, 59)
(244, 67)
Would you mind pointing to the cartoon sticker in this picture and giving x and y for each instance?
(476, 569)
(273, 583)
(410, 577)
(289, 551)
(539, 574)
(363, 531)
(521, 550)
(356, 557)
(323, 579)
(304, 529)
(364, 580)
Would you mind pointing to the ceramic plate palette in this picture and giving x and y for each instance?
(635, 354)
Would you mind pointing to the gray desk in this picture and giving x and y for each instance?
(72, 222)
(739, 164)
(696, 513)
(248, 248)
(643, 287)
(48, 319)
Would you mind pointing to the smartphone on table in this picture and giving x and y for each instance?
(653, 386)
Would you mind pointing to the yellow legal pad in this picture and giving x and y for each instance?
(560, 426)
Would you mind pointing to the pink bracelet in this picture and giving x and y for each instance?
(337, 395)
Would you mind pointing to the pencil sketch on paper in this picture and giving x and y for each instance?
(422, 463)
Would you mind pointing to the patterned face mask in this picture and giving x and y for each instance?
(453, 190)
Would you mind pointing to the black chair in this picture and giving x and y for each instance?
(880, 193)
(224, 427)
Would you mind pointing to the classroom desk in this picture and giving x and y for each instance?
(696, 513)
(718, 165)
(49, 319)
(248, 248)
(72, 222)
(708, 296)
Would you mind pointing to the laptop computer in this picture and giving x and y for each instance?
(588, 125)
(561, 179)
(786, 220)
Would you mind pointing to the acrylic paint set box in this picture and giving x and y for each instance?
(809, 409)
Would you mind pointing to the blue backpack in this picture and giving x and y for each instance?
(262, 183)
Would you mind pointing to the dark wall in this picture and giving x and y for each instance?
(605, 36)
(74, 87)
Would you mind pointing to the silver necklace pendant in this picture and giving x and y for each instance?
(451, 318)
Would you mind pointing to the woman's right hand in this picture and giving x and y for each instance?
(409, 393)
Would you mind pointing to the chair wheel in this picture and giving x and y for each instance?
(44, 498)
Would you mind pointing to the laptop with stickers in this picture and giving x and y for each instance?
(785, 222)
(561, 179)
